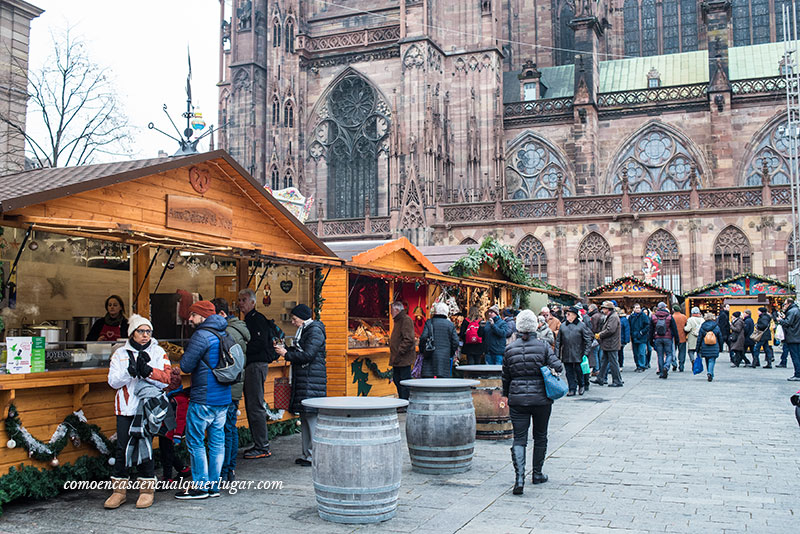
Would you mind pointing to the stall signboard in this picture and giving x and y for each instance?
(730, 289)
(37, 355)
(25, 355)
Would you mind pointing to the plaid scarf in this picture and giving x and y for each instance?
(152, 410)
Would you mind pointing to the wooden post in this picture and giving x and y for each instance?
(243, 273)
(141, 279)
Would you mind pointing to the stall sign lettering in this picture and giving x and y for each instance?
(37, 355)
(18, 359)
(199, 215)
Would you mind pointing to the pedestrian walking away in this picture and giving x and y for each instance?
(692, 330)
(791, 332)
(681, 340)
(709, 343)
(762, 336)
(749, 342)
(640, 336)
(736, 341)
(523, 385)
(472, 342)
(441, 334)
(663, 334)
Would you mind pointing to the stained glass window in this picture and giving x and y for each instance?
(773, 149)
(665, 245)
(276, 33)
(688, 25)
(631, 28)
(351, 135)
(287, 179)
(656, 160)
(276, 111)
(741, 22)
(669, 16)
(290, 36)
(531, 251)
(760, 14)
(288, 115)
(594, 258)
(275, 179)
(649, 29)
(567, 42)
(731, 253)
(534, 170)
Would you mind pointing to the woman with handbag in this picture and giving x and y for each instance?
(737, 340)
(573, 343)
(524, 385)
(709, 343)
(762, 335)
(438, 343)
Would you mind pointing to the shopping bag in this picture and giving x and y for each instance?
(779, 333)
(283, 394)
(416, 371)
(697, 366)
(554, 386)
(585, 369)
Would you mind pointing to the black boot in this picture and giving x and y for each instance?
(518, 458)
(538, 461)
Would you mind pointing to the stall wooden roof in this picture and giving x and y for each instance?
(627, 286)
(396, 255)
(128, 199)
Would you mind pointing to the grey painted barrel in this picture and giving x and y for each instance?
(492, 420)
(440, 425)
(357, 458)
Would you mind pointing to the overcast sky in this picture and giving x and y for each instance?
(143, 43)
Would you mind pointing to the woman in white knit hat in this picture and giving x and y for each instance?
(442, 334)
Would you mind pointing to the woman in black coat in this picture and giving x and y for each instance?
(523, 384)
(309, 373)
(445, 342)
(573, 342)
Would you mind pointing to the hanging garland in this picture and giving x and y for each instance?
(319, 282)
(74, 428)
(372, 366)
(779, 283)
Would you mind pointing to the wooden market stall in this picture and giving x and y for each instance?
(742, 292)
(629, 290)
(197, 225)
(356, 309)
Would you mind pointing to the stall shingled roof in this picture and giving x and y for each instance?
(443, 257)
(28, 188)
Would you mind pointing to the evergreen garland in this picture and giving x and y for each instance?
(319, 282)
(372, 366)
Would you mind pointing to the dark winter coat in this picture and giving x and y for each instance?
(309, 373)
(493, 332)
(625, 333)
(445, 342)
(709, 351)
(737, 341)
(639, 324)
(237, 329)
(402, 345)
(262, 330)
(764, 321)
(204, 347)
(791, 325)
(724, 322)
(611, 333)
(523, 383)
(749, 326)
(671, 330)
(573, 342)
(595, 320)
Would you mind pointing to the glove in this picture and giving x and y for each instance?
(142, 367)
(132, 368)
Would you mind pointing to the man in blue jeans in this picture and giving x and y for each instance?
(640, 335)
(493, 332)
(663, 334)
(791, 333)
(208, 401)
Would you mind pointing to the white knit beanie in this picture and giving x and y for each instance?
(137, 321)
(440, 308)
(527, 321)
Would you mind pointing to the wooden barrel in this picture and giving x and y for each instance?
(492, 420)
(440, 425)
(357, 458)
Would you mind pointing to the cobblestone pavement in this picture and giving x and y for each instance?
(676, 455)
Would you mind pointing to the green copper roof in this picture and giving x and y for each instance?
(560, 81)
(757, 61)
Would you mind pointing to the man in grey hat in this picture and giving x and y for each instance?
(493, 332)
(610, 343)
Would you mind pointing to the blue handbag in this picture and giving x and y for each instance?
(553, 385)
(697, 365)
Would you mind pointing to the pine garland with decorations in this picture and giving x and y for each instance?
(372, 366)
(75, 429)
(638, 281)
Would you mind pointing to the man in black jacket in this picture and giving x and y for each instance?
(724, 322)
(749, 344)
(260, 352)
(763, 325)
(309, 373)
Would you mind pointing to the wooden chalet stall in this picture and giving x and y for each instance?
(743, 292)
(159, 233)
(356, 309)
(629, 290)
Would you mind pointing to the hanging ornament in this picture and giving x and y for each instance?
(286, 285)
(76, 441)
(54, 462)
(112, 461)
(193, 268)
(11, 444)
(171, 265)
(33, 245)
(214, 266)
(267, 300)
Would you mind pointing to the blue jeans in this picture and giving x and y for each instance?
(768, 354)
(681, 355)
(231, 441)
(664, 351)
(648, 354)
(494, 359)
(794, 352)
(710, 362)
(199, 418)
(639, 354)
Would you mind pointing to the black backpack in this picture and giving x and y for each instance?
(661, 326)
(231, 359)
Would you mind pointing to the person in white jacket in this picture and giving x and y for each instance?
(140, 359)
(692, 329)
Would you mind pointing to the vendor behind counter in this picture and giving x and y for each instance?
(114, 325)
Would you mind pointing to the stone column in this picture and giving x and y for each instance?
(717, 15)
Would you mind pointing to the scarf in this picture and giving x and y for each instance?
(152, 410)
(110, 321)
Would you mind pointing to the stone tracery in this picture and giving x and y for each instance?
(534, 169)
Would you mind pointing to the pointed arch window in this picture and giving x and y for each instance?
(656, 160)
(773, 148)
(665, 245)
(290, 36)
(275, 179)
(351, 135)
(288, 115)
(276, 111)
(534, 170)
(288, 180)
(567, 35)
(276, 33)
(631, 33)
(468, 241)
(594, 259)
(533, 256)
(731, 253)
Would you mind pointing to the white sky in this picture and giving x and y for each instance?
(143, 43)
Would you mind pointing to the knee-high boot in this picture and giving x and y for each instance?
(518, 458)
(538, 461)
